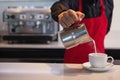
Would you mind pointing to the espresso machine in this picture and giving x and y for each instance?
(30, 25)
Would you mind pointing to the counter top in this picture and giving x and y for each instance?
(54, 71)
(54, 44)
(109, 44)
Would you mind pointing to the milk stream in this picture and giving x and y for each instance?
(94, 44)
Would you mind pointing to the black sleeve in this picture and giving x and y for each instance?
(63, 5)
(109, 5)
(58, 7)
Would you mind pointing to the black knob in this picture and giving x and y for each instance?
(10, 16)
(13, 30)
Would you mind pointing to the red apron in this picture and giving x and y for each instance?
(97, 28)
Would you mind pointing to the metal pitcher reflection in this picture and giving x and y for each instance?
(74, 36)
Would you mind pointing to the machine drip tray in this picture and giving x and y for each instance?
(30, 38)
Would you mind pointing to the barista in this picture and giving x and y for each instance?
(98, 16)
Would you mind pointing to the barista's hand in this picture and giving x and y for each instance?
(69, 17)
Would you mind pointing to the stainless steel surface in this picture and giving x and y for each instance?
(74, 36)
(29, 20)
(52, 45)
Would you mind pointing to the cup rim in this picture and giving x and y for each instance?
(98, 53)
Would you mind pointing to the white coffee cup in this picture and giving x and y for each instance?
(99, 60)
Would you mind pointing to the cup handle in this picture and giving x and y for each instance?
(112, 60)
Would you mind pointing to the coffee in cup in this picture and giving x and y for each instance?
(99, 60)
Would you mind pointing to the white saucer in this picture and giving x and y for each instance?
(87, 65)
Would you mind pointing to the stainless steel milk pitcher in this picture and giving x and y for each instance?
(74, 36)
